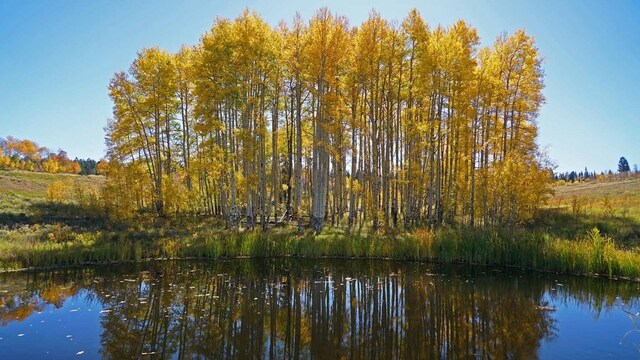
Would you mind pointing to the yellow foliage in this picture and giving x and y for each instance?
(127, 189)
(87, 197)
(430, 124)
(175, 195)
(5, 162)
(101, 167)
(59, 190)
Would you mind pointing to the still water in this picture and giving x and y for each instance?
(292, 308)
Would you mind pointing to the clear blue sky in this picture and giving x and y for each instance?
(56, 59)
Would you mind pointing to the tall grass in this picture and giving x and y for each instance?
(55, 246)
(35, 233)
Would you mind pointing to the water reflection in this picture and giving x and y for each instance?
(291, 309)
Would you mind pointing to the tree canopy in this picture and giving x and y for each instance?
(28, 155)
(383, 124)
(623, 165)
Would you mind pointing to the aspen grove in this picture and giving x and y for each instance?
(318, 122)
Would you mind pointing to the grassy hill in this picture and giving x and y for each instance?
(33, 185)
(612, 207)
(621, 197)
(23, 196)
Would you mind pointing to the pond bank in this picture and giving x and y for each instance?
(46, 247)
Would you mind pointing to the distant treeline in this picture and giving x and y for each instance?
(624, 170)
(23, 154)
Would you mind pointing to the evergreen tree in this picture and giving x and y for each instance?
(623, 165)
(87, 167)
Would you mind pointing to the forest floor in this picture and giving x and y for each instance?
(588, 228)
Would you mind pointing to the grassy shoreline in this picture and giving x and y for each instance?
(587, 229)
(593, 255)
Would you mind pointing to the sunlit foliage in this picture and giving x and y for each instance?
(27, 155)
(383, 124)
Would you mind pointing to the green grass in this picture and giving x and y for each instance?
(612, 207)
(34, 184)
(36, 233)
(54, 245)
(23, 198)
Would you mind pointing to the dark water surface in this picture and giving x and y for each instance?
(292, 308)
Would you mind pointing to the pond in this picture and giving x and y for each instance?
(322, 309)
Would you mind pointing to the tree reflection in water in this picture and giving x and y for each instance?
(314, 309)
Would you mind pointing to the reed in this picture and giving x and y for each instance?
(43, 247)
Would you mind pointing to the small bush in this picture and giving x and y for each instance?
(59, 190)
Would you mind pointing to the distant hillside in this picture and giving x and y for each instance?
(34, 184)
(21, 192)
(618, 190)
(613, 207)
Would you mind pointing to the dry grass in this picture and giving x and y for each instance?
(609, 198)
(23, 193)
(35, 184)
(612, 207)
